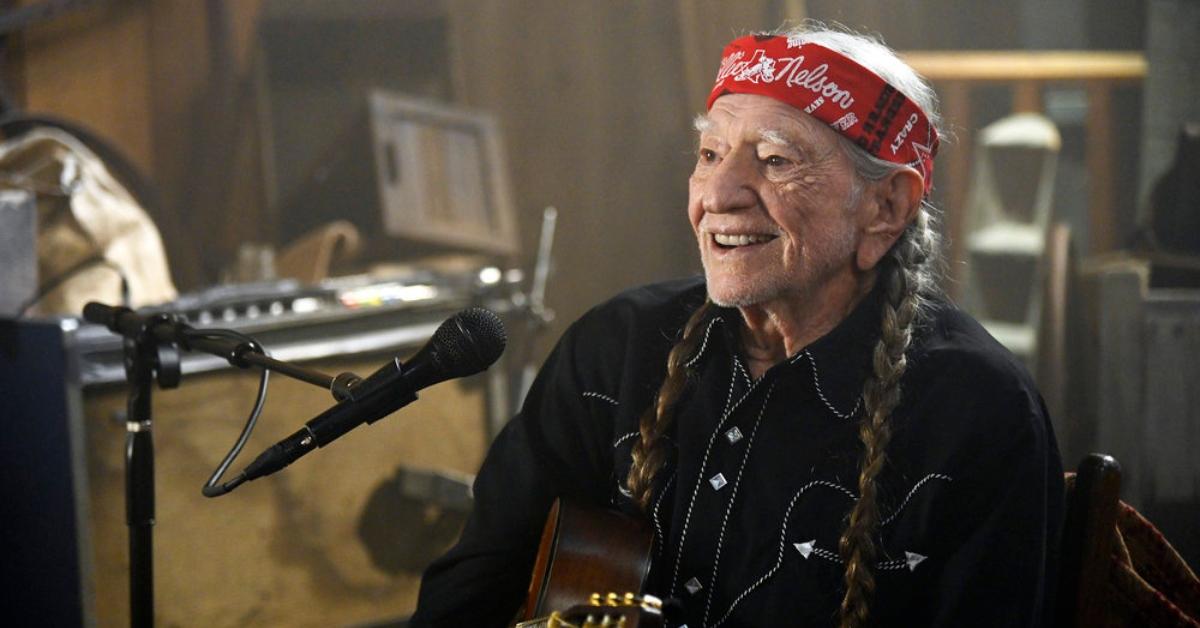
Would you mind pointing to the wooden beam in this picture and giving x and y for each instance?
(1016, 65)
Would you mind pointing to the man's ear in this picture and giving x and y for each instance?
(893, 204)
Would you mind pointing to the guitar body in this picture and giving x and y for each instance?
(585, 550)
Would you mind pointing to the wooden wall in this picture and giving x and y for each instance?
(153, 78)
(94, 66)
(595, 101)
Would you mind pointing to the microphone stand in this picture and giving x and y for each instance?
(145, 361)
(152, 344)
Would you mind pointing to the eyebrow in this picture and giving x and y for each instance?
(773, 136)
(702, 124)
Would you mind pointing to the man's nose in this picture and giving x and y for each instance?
(729, 186)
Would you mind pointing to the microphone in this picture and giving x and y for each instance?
(465, 344)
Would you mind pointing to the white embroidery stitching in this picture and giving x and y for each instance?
(602, 397)
(837, 487)
(782, 543)
(812, 362)
(687, 518)
(712, 581)
(729, 395)
(890, 565)
(826, 554)
(657, 525)
(742, 369)
(834, 558)
(931, 476)
(704, 344)
(624, 438)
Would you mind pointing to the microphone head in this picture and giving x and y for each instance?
(467, 343)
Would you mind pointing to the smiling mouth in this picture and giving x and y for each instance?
(733, 241)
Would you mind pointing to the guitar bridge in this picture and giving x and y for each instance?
(604, 611)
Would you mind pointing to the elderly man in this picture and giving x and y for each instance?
(815, 436)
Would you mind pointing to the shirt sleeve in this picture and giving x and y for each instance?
(1001, 567)
(558, 445)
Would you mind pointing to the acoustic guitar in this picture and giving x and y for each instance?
(584, 550)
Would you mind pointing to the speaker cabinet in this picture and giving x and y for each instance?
(338, 538)
(284, 550)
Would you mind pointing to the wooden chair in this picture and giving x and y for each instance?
(1088, 540)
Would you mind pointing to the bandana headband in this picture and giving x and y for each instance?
(834, 89)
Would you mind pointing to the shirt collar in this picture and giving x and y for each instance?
(838, 363)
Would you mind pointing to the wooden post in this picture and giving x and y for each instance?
(1027, 97)
(1098, 151)
(957, 161)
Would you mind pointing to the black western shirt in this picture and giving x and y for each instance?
(763, 473)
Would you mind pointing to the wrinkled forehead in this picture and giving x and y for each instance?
(859, 104)
(748, 117)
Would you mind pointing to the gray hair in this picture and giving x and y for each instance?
(873, 54)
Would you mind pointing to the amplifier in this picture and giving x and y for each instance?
(339, 537)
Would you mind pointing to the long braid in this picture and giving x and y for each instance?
(906, 279)
(650, 452)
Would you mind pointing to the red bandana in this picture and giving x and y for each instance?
(834, 89)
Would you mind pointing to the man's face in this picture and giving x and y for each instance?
(772, 203)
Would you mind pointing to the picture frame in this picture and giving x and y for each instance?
(441, 174)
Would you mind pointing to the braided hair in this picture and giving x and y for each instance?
(905, 275)
(908, 275)
(650, 451)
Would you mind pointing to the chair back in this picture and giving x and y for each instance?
(1089, 535)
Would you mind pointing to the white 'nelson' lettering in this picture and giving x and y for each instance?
(815, 81)
(792, 73)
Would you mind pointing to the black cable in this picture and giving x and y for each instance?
(96, 259)
(212, 488)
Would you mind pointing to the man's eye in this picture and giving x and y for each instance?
(776, 161)
(707, 155)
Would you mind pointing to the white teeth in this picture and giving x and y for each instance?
(739, 239)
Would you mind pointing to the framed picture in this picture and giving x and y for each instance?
(441, 175)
